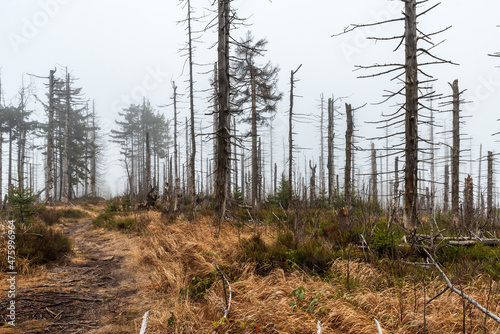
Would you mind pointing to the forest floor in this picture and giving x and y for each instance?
(95, 289)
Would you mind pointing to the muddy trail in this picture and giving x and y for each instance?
(95, 289)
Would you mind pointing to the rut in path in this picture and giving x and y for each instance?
(96, 289)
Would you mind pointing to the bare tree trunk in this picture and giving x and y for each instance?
(271, 171)
(396, 182)
(322, 147)
(201, 160)
(243, 174)
(433, 168)
(187, 186)
(49, 174)
(93, 156)
(192, 168)
(259, 174)
(489, 198)
(1, 143)
(215, 127)
(446, 188)
(290, 137)
(479, 195)
(455, 167)
(223, 134)
(330, 151)
(148, 164)
(411, 121)
(255, 161)
(347, 176)
(65, 164)
(275, 178)
(468, 204)
(374, 184)
(176, 164)
(10, 157)
(313, 182)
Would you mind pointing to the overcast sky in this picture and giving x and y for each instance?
(122, 49)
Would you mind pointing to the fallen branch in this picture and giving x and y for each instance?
(379, 329)
(320, 329)
(226, 303)
(144, 323)
(460, 293)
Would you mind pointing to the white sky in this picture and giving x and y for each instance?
(120, 49)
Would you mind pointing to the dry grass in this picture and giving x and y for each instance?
(178, 252)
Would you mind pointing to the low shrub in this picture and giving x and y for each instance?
(49, 216)
(288, 253)
(52, 216)
(104, 219)
(120, 221)
(37, 243)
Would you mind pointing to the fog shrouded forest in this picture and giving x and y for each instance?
(325, 145)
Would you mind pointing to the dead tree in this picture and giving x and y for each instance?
(176, 163)
(455, 166)
(93, 155)
(313, 182)
(407, 72)
(396, 183)
(290, 134)
(374, 185)
(347, 212)
(1, 141)
(49, 173)
(148, 163)
(330, 166)
(446, 199)
(489, 197)
(468, 206)
(322, 146)
(223, 135)
(65, 163)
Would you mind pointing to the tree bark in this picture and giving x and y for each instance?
(176, 165)
(455, 167)
(49, 174)
(468, 204)
(411, 116)
(374, 184)
(347, 176)
(322, 147)
(489, 197)
(93, 158)
(331, 172)
(446, 188)
(65, 162)
(255, 161)
(148, 164)
(223, 134)
(312, 182)
(192, 169)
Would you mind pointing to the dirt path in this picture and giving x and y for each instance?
(96, 289)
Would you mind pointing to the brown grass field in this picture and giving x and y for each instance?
(184, 253)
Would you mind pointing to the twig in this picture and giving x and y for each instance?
(320, 329)
(439, 294)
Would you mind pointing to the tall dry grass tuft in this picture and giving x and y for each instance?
(289, 302)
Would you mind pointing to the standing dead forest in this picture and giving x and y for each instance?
(240, 228)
